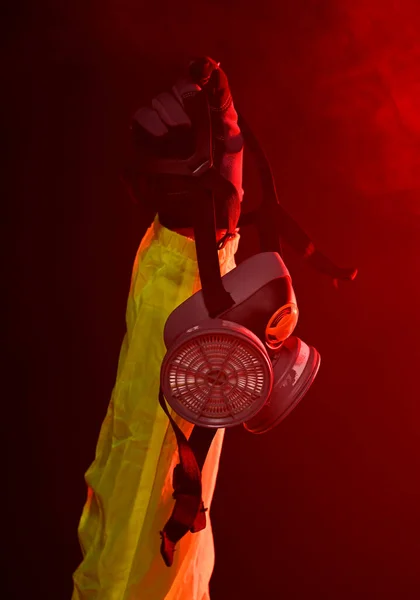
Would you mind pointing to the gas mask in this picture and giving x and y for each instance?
(230, 356)
(243, 366)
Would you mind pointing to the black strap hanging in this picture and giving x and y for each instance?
(216, 298)
(266, 217)
(189, 511)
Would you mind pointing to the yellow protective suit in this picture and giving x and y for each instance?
(130, 481)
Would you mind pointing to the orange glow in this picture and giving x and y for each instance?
(281, 325)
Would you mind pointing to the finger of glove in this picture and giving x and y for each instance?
(201, 69)
(218, 91)
(185, 88)
(223, 111)
(151, 121)
(170, 110)
(207, 73)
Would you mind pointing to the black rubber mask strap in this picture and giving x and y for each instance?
(187, 494)
(216, 298)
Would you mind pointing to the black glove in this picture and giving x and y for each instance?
(166, 129)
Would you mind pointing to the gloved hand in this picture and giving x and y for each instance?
(166, 129)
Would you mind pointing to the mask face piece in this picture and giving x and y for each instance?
(218, 372)
(259, 286)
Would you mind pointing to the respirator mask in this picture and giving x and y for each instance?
(242, 366)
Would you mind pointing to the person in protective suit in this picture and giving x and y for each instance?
(130, 482)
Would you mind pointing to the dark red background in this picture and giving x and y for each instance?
(326, 506)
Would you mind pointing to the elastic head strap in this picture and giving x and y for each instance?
(265, 217)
